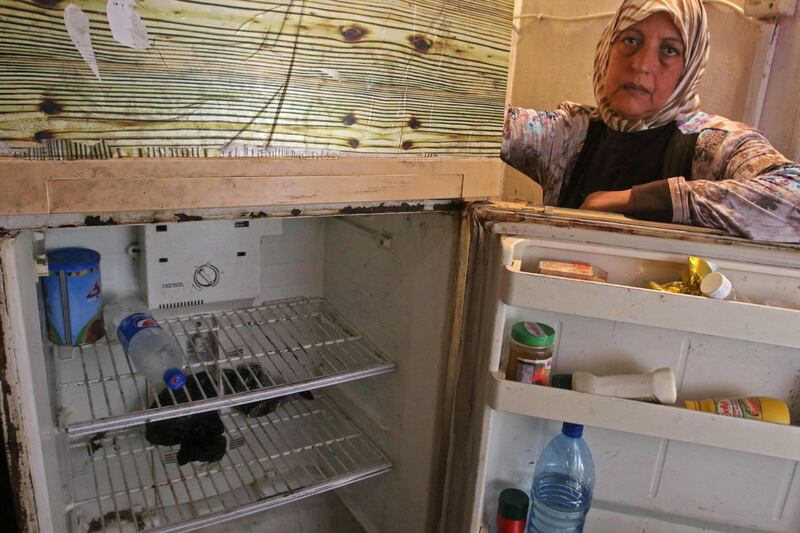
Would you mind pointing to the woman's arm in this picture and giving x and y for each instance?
(545, 144)
(741, 185)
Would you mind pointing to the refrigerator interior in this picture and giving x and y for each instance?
(658, 468)
(356, 310)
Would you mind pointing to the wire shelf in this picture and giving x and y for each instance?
(121, 482)
(272, 350)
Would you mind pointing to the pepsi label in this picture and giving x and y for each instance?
(133, 324)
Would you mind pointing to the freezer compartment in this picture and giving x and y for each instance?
(299, 344)
(119, 481)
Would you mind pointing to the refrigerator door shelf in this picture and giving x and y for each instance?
(300, 344)
(635, 305)
(304, 448)
(654, 420)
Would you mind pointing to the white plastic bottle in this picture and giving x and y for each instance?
(719, 287)
(151, 351)
(657, 386)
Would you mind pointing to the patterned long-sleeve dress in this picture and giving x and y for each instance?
(739, 182)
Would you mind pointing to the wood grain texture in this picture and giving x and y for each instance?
(116, 185)
(91, 196)
(257, 78)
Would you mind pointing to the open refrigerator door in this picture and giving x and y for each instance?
(658, 467)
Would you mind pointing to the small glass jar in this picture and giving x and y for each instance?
(530, 353)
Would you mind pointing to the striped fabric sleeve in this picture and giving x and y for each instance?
(544, 144)
(742, 185)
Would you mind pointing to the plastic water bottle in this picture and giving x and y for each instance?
(563, 481)
(152, 352)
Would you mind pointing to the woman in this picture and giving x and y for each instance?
(647, 150)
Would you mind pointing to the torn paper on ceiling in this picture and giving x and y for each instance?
(332, 72)
(126, 25)
(77, 23)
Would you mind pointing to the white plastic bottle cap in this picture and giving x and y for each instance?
(716, 285)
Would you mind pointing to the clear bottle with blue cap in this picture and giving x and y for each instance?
(152, 351)
(563, 483)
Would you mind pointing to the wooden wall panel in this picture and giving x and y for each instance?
(148, 184)
(256, 78)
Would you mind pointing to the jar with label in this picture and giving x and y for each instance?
(530, 353)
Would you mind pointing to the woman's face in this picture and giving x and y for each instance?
(644, 67)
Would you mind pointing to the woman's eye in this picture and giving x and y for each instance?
(669, 51)
(630, 41)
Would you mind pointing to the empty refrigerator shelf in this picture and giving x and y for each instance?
(120, 482)
(250, 354)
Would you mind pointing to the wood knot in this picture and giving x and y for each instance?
(353, 143)
(48, 106)
(353, 32)
(349, 119)
(414, 124)
(407, 145)
(43, 135)
(421, 43)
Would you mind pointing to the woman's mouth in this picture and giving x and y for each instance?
(635, 88)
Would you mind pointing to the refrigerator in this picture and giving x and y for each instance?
(310, 192)
(398, 325)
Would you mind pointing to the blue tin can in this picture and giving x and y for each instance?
(73, 297)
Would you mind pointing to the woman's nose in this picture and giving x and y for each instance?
(645, 59)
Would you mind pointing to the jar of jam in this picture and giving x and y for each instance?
(530, 353)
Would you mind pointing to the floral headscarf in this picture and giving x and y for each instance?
(689, 17)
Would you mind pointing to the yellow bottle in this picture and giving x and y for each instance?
(755, 407)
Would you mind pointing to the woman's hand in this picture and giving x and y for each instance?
(609, 201)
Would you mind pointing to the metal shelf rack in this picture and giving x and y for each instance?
(305, 447)
(298, 344)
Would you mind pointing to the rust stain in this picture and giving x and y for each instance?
(296, 212)
(421, 43)
(381, 208)
(260, 214)
(95, 220)
(451, 206)
(18, 474)
(111, 517)
(96, 442)
(353, 33)
(183, 217)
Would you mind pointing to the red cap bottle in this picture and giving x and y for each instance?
(512, 511)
